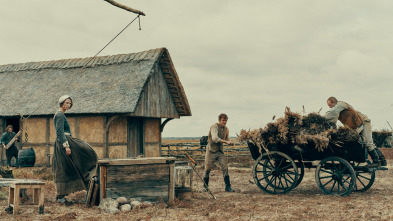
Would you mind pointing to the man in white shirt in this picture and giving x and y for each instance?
(345, 113)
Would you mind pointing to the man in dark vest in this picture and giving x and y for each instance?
(344, 112)
(218, 135)
(12, 151)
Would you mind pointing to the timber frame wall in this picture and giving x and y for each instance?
(110, 136)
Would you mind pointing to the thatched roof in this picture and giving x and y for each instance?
(107, 84)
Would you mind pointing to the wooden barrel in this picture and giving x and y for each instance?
(26, 157)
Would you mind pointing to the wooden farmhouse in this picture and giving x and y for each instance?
(121, 102)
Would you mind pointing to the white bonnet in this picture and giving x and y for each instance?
(63, 98)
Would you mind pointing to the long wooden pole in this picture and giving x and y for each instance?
(125, 7)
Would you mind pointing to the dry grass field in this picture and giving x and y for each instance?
(306, 202)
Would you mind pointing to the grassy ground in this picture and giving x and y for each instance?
(306, 202)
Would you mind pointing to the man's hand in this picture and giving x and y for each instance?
(68, 151)
(229, 142)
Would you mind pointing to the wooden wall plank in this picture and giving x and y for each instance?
(160, 191)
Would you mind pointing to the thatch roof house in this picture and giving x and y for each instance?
(119, 101)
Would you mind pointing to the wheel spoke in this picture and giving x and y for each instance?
(275, 183)
(327, 183)
(346, 180)
(270, 162)
(289, 172)
(267, 166)
(364, 177)
(279, 182)
(287, 180)
(269, 183)
(326, 171)
(287, 166)
(324, 177)
(266, 176)
(361, 182)
(331, 190)
(344, 187)
(335, 167)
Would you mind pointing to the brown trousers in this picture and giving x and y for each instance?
(211, 158)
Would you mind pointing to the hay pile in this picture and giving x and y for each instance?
(295, 129)
(379, 137)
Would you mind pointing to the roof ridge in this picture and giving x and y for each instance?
(151, 54)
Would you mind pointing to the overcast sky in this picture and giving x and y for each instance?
(249, 59)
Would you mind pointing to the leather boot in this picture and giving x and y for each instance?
(381, 157)
(206, 184)
(375, 158)
(228, 187)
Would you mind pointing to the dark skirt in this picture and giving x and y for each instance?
(72, 173)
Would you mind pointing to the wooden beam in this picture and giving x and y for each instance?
(164, 123)
(125, 7)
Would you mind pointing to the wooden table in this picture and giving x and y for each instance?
(15, 185)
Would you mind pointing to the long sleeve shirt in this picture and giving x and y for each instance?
(7, 137)
(334, 112)
(62, 126)
(216, 134)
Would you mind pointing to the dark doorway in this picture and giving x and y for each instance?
(14, 122)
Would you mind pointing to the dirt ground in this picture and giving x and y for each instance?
(305, 202)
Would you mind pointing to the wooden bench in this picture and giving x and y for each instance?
(15, 185)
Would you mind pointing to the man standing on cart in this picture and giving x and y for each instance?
(344, 112)
(218, 135)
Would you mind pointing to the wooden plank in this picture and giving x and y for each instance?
(150, 160)
(147, 169)
(144, 177)
(94, 196)
(140, 183)
(161, 191)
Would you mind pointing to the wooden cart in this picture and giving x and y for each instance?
(339, 170)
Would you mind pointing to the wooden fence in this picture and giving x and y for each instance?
(197, 152)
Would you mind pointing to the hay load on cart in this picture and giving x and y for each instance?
(284, 148)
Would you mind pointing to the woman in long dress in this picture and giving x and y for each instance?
(74, 161)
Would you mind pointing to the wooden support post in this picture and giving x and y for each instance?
(41, 201)
(16, 199)
(102, 182)
(171, 196)
(47, 139)
(35, 196)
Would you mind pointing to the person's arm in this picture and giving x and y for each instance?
(227, 136)
(214, 133)
(333, 114)
(3, 140)
(60, 119)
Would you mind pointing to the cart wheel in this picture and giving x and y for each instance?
(275, 172)
(335, 176)
(364, 177)
(300, 171)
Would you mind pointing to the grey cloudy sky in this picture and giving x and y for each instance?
(249, 59)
